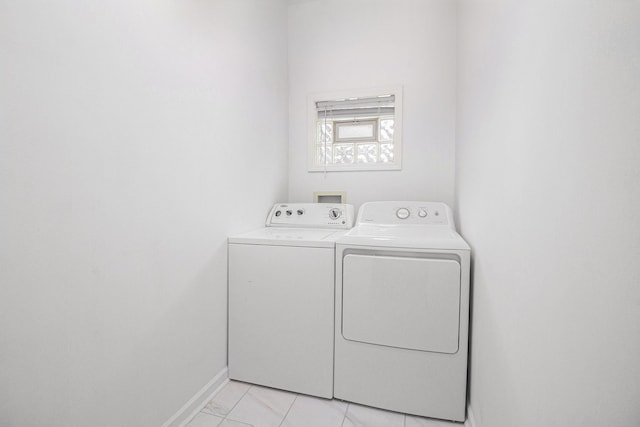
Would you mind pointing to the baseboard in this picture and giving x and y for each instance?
(470, 421)
(198, 401)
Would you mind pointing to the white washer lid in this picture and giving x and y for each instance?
(285, 236)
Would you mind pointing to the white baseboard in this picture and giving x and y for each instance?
(470, 421)
(198, 401)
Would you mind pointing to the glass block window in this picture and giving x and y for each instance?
(356, 133)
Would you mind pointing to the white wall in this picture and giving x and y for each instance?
(337, 45)
(549, 194)
(129, 150)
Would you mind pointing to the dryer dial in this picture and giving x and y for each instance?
(403, 213)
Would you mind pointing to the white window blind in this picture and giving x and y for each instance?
(357, 107)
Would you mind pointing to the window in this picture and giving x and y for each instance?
(361, 132)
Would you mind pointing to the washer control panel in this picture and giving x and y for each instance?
(401, 213)
(311, 215)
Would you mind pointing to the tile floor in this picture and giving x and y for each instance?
(240, 405)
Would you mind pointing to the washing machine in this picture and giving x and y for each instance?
(281, 298)
(402, 310)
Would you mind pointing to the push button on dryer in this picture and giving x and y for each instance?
(403, 213)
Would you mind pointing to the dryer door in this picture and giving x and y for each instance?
(410, 303)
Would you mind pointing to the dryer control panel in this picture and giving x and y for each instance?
(406, 213)
(311, 215)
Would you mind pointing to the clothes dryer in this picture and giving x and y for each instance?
(281, 298)
(402, 310)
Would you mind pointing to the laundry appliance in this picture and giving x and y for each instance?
(402, 310)
(281, 298)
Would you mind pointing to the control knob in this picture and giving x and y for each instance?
(334, 213)
(422, 213)
(403, 213)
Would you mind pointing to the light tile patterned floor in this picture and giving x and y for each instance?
(241, 405)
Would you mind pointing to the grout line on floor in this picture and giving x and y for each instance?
(289, 410)
(346, 411)
(236, 404)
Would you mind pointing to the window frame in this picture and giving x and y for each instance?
(361, 122)
(312, 118)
